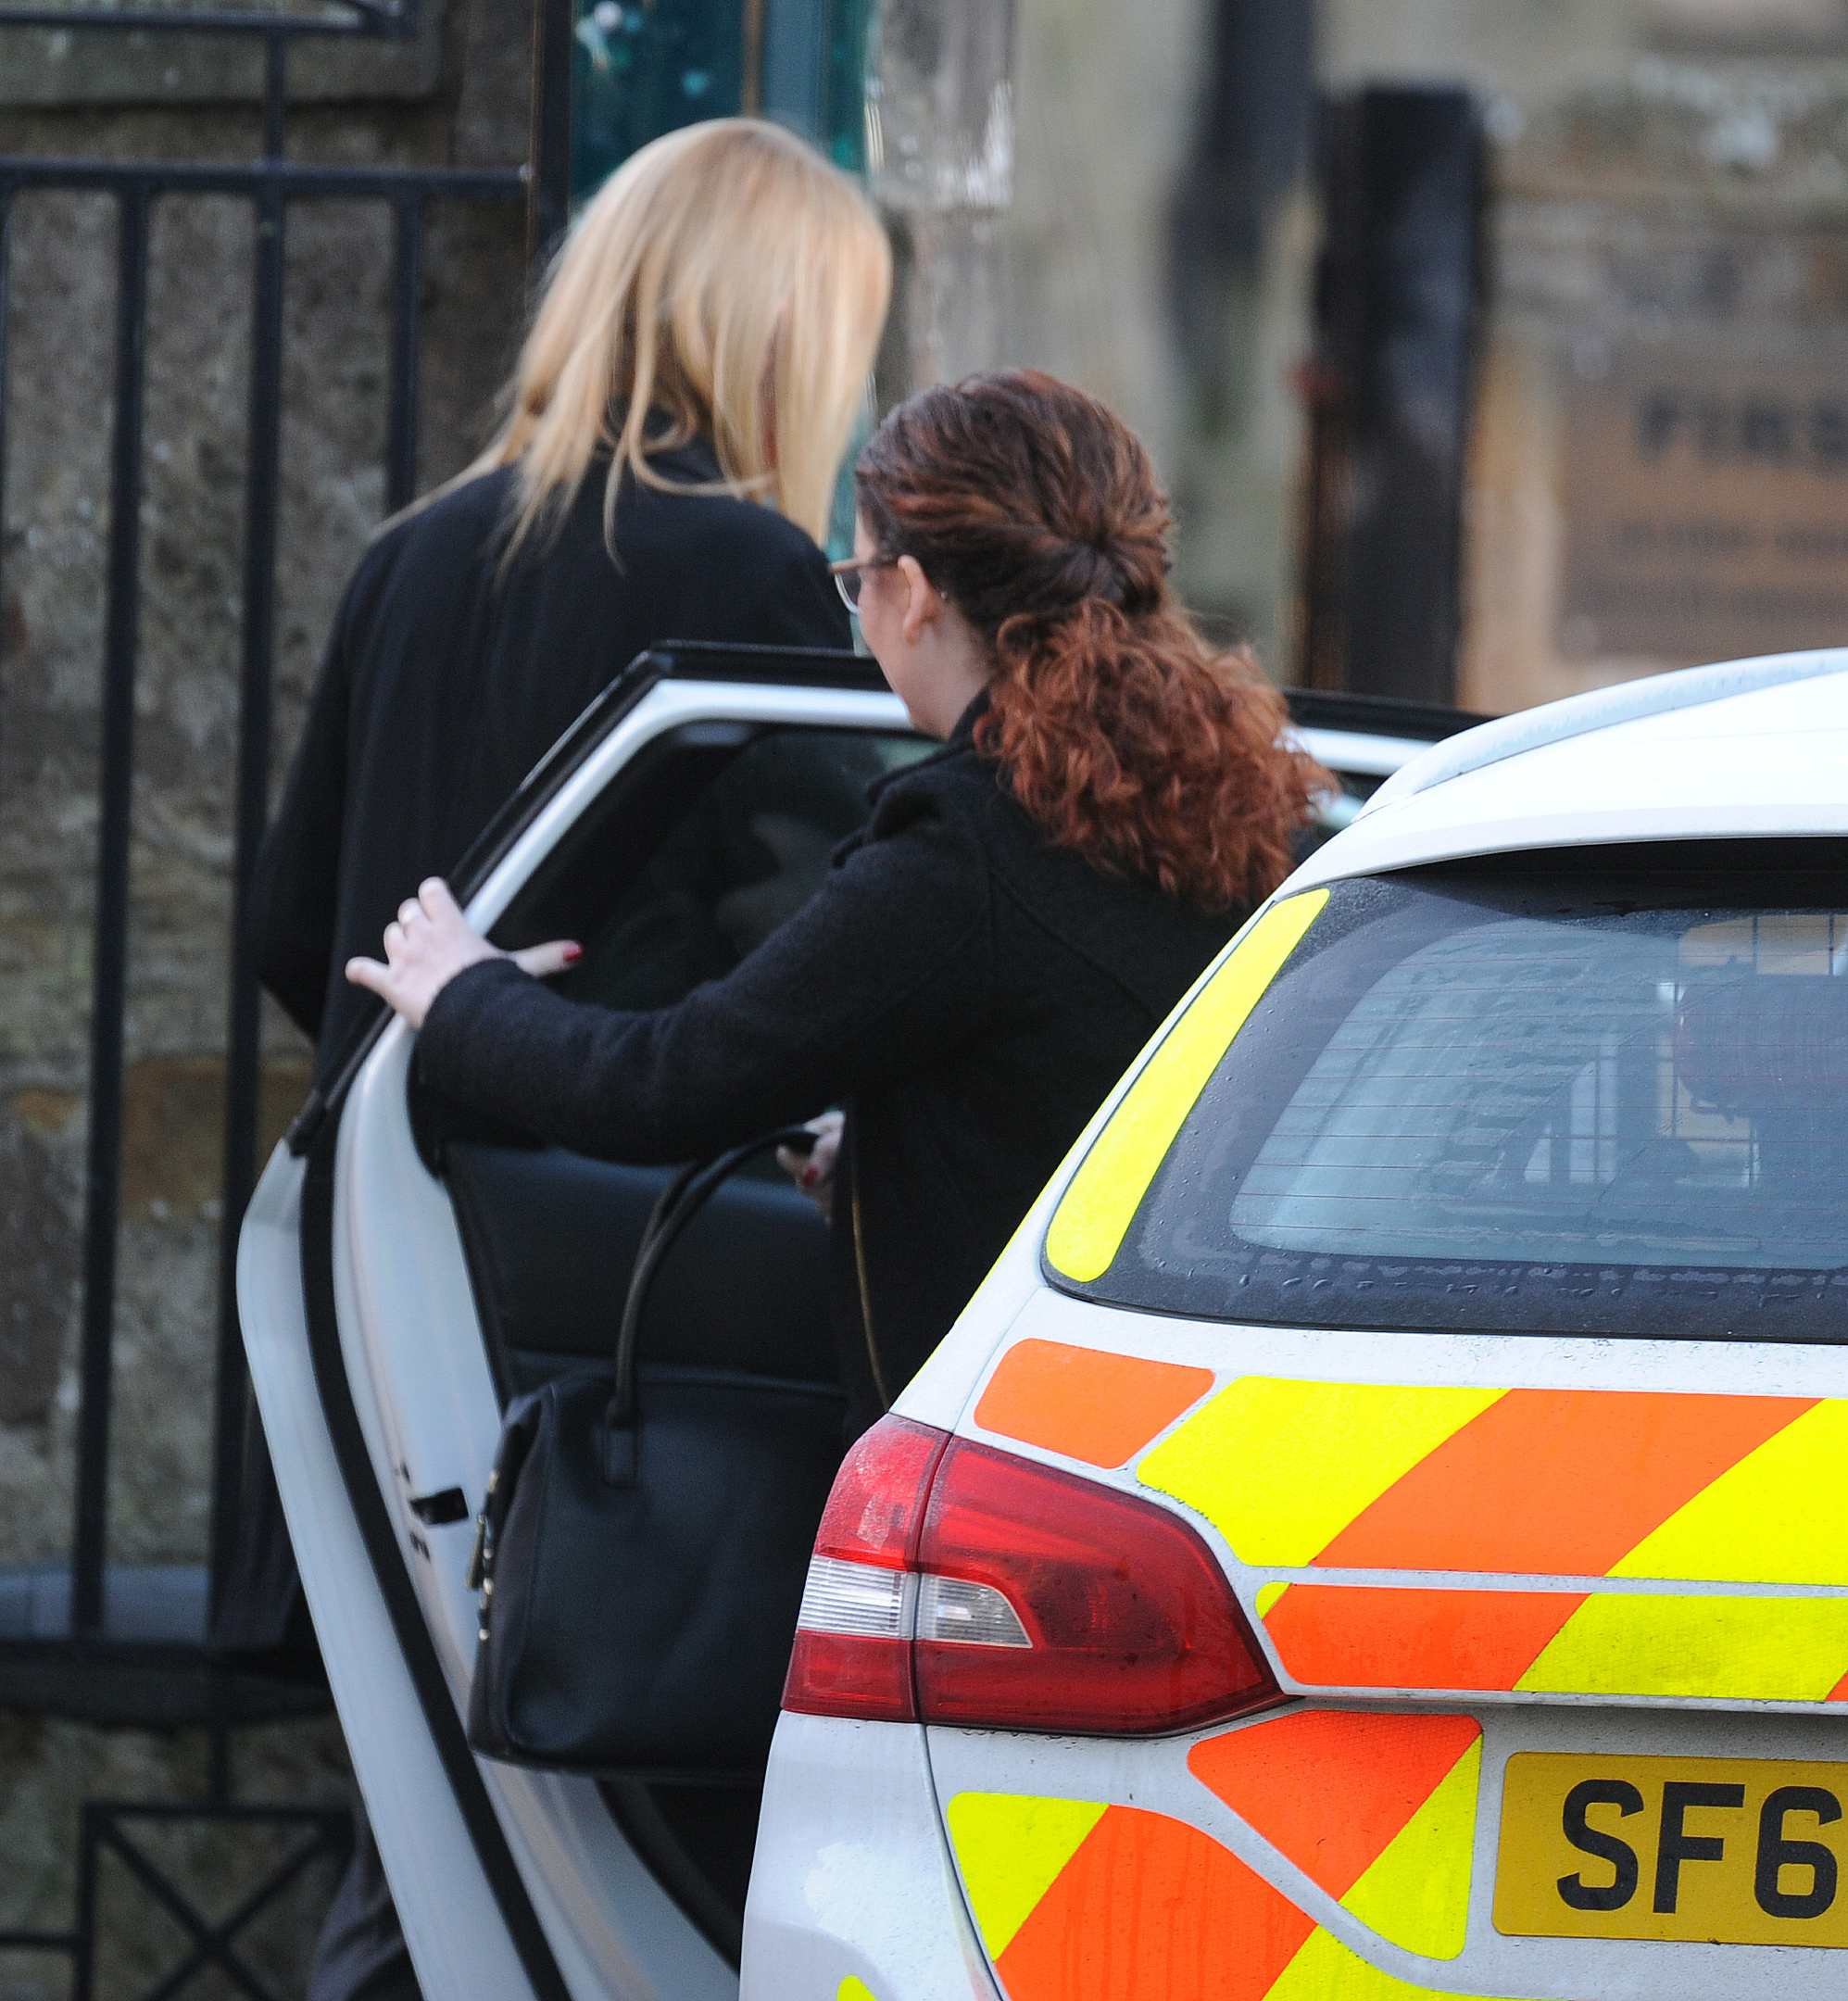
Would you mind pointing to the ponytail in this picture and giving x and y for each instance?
(1120, 733)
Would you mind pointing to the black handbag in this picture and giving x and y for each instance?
(643, 1547)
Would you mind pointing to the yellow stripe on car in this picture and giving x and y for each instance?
(1774, 1518)
(1325, 1970)
(1095, 1212)
(1012, 1849)
(1417, 1893)
(1753, 1649)
(1280, 1468)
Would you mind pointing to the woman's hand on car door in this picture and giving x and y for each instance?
(431, 941)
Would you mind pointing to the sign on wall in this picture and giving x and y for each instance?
(1707, 511)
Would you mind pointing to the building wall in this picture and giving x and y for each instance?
(1660, 463)
(1104, 107)
(1109, 114)
(1669, 193)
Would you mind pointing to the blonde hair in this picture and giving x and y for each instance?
(725, 279)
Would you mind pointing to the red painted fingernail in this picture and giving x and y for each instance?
(573, 953)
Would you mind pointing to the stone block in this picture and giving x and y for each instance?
(38, 1245)
(69, 67)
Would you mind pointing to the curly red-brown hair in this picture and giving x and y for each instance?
(1035, 511)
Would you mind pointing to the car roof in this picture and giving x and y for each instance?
(1750, 748)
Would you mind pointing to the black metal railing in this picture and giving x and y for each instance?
(88, 1658)
(107, 1830)
(272, 186)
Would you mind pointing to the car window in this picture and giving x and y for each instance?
(743, 853)
(1526, 1105)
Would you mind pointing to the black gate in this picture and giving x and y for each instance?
(77, 1660)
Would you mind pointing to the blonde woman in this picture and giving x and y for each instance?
(665, 468)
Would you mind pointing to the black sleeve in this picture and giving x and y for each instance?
(296, 888)
(890, 965)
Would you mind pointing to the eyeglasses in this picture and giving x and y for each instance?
(849, 573)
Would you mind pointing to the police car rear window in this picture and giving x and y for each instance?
(1611, 1099)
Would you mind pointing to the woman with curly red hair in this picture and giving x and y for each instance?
(1034, 511)
(1020, 913)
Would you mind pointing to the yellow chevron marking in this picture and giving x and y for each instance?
(1416, 1892)
(1280, 1468)
(1325, 1970)
(1012, 1849)
(854, 1990)
(1776, 1517)
(1095, 1211)
(1739, 1649)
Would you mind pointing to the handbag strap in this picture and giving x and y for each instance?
(679, 1203)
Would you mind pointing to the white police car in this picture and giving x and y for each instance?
(1392, 1487)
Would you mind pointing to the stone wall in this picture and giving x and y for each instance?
(333, 428)
(458, 95)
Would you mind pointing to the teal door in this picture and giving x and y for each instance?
(641, 68)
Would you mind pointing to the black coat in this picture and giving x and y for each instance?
(967, 990)
(441, 688)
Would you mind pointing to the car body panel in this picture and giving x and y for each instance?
(1359, 754)
(1172, 1814)
(1764, 764)
(855, 1884)
(1099, 1855)
(1690, 1609)
(1293, 1430)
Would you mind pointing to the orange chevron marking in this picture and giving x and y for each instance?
(1100, 1408)
(1151, 1909)
(1361, 1636)
(1332, 1788)
(1562, 1482)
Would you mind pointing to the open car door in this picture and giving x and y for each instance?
(404, 1272)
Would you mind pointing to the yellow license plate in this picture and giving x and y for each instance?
(1731, 1851)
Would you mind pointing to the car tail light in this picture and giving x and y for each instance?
(953, 1583)
(852, 1654)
